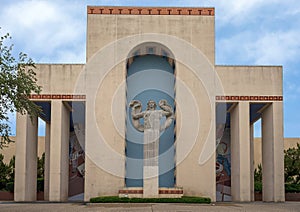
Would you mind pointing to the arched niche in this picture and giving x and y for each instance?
(150, 76)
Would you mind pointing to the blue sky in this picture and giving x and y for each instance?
(248, 32)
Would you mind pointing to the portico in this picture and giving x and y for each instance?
(144, 54)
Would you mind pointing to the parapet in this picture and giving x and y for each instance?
(151, 10)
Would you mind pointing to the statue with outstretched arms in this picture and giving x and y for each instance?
(151, 115)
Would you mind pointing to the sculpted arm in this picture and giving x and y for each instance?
(167, 111)
(136, 114)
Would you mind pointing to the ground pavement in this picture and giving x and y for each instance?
(223, 207)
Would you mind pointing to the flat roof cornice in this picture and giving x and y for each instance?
(109, 10)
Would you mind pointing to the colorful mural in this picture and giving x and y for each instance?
(76, 162)
(223, 164)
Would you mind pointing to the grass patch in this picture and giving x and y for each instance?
(184, 199)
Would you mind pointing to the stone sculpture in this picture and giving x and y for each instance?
(151, 128)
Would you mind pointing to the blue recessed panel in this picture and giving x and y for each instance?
(149, 77)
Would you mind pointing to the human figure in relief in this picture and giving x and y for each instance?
(151, 127)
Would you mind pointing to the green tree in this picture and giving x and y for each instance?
(11, 169)
(258, 173)
(292, 165)
(40, 166)
(17, 82)
(40, 172)
(258, 178)
(7, 173)
(4, 173)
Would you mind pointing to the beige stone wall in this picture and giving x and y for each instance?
(251, 80)
(194, 31)
(10, 151)
(58, 78)
(197, 30)
(105, 146)
(189, 150)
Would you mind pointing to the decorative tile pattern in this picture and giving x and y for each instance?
(171, 191)
(218, 98)
(161, 191)
(56, 96)
(249, 98)
(131, 191)
(150, 11)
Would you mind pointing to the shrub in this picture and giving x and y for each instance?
(115, 199)
(10, 186)
(292, 165)
(258, 186)
(292, 188)
(40, 184)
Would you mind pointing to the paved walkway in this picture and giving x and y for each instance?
(223, 207)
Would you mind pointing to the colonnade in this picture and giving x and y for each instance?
(242, 163)
(56, 155)
(242, 153)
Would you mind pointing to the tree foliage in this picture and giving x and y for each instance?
(40, 166)
(17, 82)
(291, 171)
(7, 172)
(292, 165)
(258, 178)
(258, 173)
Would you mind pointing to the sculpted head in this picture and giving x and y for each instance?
(151, 105)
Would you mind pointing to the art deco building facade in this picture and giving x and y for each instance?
(153, 53)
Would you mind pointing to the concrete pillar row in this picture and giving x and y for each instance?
(59, 152)
(240, 152)
(26, 159)
(273, 153)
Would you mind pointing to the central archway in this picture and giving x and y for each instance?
(150, 76)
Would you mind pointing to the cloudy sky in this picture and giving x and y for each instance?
(248, 32)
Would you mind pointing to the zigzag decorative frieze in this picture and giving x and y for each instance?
(218, 98)
(249, 98)
(56, 96)
(150, 11)
(161, 191)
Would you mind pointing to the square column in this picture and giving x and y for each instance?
(252, 162)
(26, 159)
(273, 153)
(240, 153)
(47, 162)
(59, 152)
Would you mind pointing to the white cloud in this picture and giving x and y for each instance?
(46, 27)
(55, 30)
(237, 11)
(241, 12)
(279, 47)
(276, 47)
